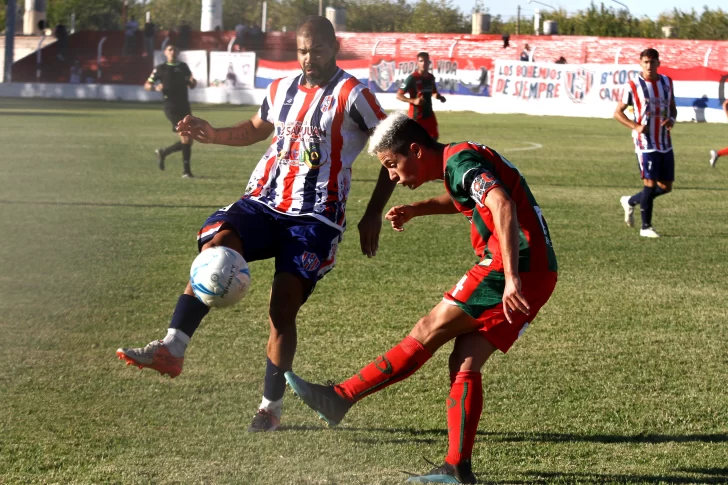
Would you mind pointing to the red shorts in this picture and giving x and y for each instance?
(480, 294)
(430, 124)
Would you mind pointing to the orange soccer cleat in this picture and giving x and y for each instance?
(155, 356)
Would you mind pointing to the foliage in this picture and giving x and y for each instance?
(599, 19)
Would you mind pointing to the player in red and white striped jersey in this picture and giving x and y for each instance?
(653, 101)
(293, 207)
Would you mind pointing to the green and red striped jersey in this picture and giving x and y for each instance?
(471, 171)
(420, 86)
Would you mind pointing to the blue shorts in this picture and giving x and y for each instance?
(301, 245)
(657, 166)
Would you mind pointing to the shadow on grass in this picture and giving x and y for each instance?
(537, 437)
(42, 113)
(111, 204)
(581, 478)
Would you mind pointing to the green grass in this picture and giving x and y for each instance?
(622, 379)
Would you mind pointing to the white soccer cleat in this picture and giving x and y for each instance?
(649, 232)
(628, 211)
(713, 157)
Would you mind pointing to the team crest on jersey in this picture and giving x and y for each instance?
(327, 103)
(309, 261)
(383, 74)
(579, 84)
(483, 182)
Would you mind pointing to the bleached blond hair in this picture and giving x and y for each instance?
(385, 134)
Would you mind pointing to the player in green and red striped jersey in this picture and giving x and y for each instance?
(487, 310)
(420, 87)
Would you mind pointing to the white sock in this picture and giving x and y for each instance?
(176, 341)
(273, 406)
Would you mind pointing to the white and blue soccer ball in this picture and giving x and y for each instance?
(219, 277)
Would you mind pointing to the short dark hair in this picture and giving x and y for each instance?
(171, 43)
(424, 55)
(650, 54)
(321, 26)
(397, 132)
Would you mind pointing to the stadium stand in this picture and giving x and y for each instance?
(279, 46)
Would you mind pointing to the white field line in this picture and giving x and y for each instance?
(534, 146)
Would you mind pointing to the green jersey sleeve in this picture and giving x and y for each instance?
(408, 84)
(469, 178)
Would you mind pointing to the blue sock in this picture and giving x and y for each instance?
(188, 314)
(275, 382)
(659, 191)
(648, 195)
(635, 199)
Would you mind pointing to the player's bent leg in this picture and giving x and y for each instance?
(167, 355)
(444, 322)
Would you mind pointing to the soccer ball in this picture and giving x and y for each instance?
(219, 277)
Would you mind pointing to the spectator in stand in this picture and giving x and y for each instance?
(61, 41)
(561, 60)
(240, 31)
(256, 37)
(149, 32)
(76, 73)
(526, 54)
(183, 38)
(130, 32)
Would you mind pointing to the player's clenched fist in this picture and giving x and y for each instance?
(399, 216)
(197, 129)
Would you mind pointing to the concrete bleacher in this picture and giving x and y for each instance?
(279, 46)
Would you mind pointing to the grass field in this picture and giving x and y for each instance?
(622, 379)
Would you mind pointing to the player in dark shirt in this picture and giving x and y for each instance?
(420, 88)
(172, 79)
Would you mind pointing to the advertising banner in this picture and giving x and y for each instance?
(599, 87)
(385, 75)
(232, 70)
(467, 76)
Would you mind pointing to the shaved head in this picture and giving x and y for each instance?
(319, 26)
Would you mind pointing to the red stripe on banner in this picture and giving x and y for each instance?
(337, 141)
(294, 169)
(657, 120)
(293, 65)
(694, 74)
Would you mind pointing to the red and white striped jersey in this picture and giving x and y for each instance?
(318, 134)
(651, 101)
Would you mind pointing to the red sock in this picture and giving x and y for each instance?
(398, 363)
(464, 406)
(723, 152)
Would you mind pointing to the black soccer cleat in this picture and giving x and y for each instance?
(323, 399)
(159, 152)
(446, 473)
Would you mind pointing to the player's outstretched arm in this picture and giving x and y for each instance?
(243, 134)
(192, 83)
(503, 209)
(401, 214)
(370, 224)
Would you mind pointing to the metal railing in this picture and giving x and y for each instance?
(98, 59)
(39, 57)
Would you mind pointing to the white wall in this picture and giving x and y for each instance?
(478, 104)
